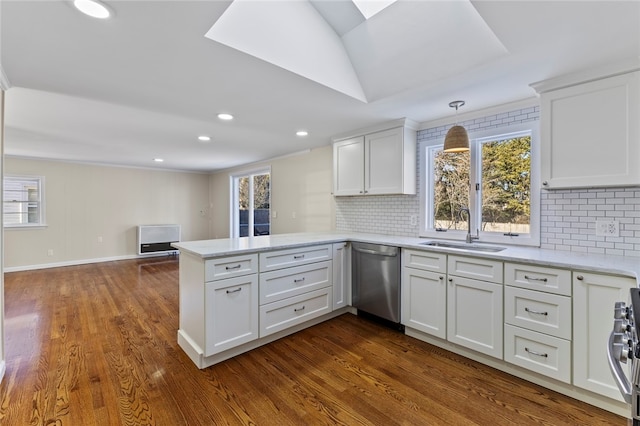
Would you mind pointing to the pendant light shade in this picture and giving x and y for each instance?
(457, 139)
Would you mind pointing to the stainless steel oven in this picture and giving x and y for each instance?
(624, 348)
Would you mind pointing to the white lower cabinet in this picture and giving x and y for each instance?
(594, 296)
(296, 285)
(537, 316)
(423, 292)
(424, 301)
(231, 316)
(474, 315)
(341, 275)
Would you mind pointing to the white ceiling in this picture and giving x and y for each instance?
(145, 83)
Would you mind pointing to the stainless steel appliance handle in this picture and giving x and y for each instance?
(377, 253)
(618, 373)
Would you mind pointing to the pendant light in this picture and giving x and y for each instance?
(457, 139)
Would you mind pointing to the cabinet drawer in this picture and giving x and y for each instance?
(278, 285)
(228, 267)
(270, 261)
(425, 260)
(538, 352)
(542, 312)
(295, 310)
(551, 280)
(475, 268)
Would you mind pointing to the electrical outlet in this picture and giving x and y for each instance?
(294, 215)
(99, 239)
(50, 252)
(607, 228)
(275, 214)
(413, 219)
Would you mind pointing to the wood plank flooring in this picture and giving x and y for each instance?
(96, 345)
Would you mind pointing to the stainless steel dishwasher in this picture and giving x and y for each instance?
(376, 280)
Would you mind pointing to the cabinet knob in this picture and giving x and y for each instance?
(441, 278)
(450, 280)
(545, 183)
(362, 192)
(580, 278)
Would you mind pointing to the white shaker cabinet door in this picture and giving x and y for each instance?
(594, 296)
(348, 167)
(424, 301)
(474, 315)
(231, 317)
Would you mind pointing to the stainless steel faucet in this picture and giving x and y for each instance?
(470, 237)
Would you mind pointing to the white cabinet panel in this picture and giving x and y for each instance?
(474, 315)
(594, 296)
(341, 275)
(475, 268)
(591, 134)
(348, 167)
(425, 260)
(424, 301)
(231, 316)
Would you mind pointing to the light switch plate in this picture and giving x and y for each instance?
(607, 228)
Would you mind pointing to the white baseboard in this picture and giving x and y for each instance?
(79, 262)
(3, 369)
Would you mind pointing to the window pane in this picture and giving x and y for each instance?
(450, 189)
(243, 206)
(506, 185)
(22, 201)
(261, 201)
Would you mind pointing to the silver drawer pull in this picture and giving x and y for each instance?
(536, 353)
(298, 310)
(234, 291)
(231, 268)
(527, 277)
(531, 311)
(301, 256)
(298, 280)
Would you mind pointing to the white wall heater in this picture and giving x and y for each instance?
(157, 238)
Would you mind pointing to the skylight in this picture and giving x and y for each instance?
(368, 8)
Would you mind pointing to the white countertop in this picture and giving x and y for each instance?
(620, 265)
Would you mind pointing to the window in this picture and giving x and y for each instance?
(250, 203)
(23, 201)
(496, 181)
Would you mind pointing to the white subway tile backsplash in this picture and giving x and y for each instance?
(567, 217)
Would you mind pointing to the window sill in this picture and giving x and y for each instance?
(25, 227)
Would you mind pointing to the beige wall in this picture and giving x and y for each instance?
(300, 183)
(84, 202)
(2, 361)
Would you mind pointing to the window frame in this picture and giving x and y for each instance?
(40, 202)
(234, 217)
(475, 140)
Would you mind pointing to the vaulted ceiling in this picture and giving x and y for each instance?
(147, 82)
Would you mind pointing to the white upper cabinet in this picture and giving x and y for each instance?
(590, 132)
(375, 163)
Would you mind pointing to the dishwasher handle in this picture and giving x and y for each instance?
(393, 253)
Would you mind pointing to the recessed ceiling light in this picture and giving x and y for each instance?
(204, 138)
(93, 8)
(158, 160)
(224, 116)
(302, 133)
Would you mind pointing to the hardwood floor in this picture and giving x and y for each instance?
(96, 345)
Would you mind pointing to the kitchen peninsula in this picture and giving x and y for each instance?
(238, 294)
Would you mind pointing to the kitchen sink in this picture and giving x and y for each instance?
(463, 246)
